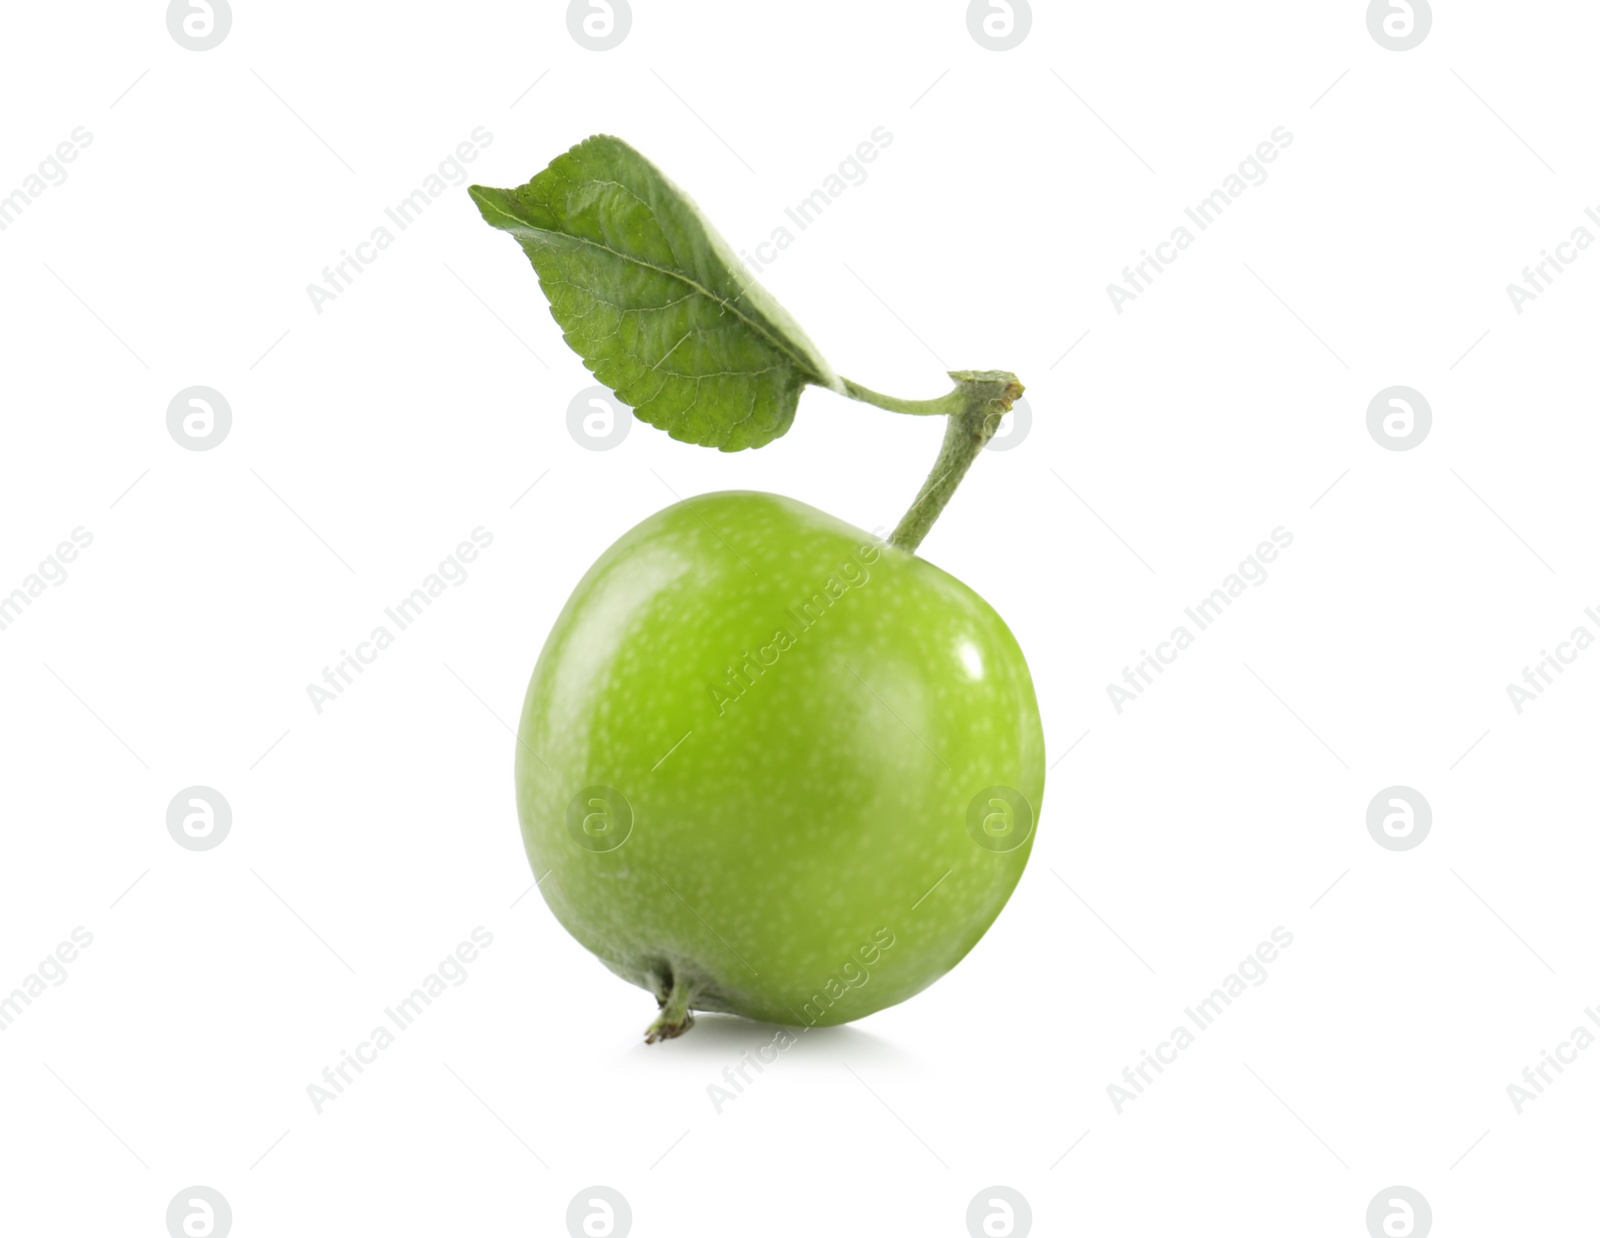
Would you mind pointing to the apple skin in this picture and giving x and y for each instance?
(792, 782)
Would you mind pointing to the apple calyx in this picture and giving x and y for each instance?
(673, 996)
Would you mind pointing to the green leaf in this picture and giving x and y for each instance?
(654, 301)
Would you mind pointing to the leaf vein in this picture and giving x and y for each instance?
(800, 362)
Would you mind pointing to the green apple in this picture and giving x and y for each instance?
(767, 765)
(770, 765)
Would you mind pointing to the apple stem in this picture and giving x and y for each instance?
(974, 408)
(675, 1018)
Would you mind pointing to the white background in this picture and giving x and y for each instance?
(1167, 441)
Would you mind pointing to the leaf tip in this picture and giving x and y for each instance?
(492, 203)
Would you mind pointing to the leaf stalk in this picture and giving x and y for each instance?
(974, 408)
